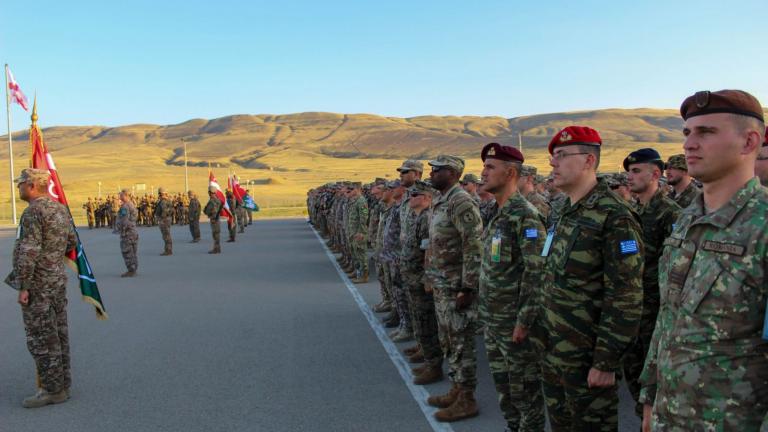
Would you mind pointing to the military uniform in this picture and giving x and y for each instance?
(358, 226)
(707, 367)
(213, 211)
(44, 235)
(686, 197)
(125, 225)
(509, 279)
(90, 213)
(539, 202)
(164, 215)
(194, 218)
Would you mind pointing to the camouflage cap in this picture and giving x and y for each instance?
(393, 184)
(34, 175)
(411, 165)
(528, 170)
(421, 187)
(454, 162)
(355, 185)
(380, 181)
(677, 161)
(539, 179)
(470, 178)
(161, 190)
(620, 179)
(212, 189)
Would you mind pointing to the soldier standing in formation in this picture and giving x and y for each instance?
(194, 216)
(707, 368)
(526, 184)
(357, 230)
(684, 190)
(213, 211)
(509, 283)
(125, 226)
(231, 223)
(45, 234)
(164, 215)
(90, 214)
(452, 270)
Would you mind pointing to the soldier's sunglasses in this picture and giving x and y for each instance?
(437, 168)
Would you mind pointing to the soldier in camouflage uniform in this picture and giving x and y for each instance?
(125, 226)
(231, 223)
(357, 230)
(213, 211)
(387, 298)
(422, 302)
(592, 295)
(390, 256)
(164, 215)
(684, 190)
(44, 235)
(526, 186)
(488, 206)
(114, 207)
(452, 268)
(707, 367)
(471, 183)
(658, 214)
(510, 276)
(193, 214)
(90, 214)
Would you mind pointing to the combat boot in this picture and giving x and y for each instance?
(391, 320)
(465, 406)
(43, 398)
(404, 335)
(129, 273)
(411, 350)
(417, 357)
(419, 370)
(445, 400)
(360, 279)
(382, 307)
(429, 375)
(166, 253)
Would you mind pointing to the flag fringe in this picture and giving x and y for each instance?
(101, 314)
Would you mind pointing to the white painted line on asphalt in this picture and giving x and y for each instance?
(419, 394)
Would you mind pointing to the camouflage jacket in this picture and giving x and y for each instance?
(357, 221)
(407, 218)
(390, 245)
(453, 256)
(194, 209)
(657, 219)
(510, 274)
(383, 217)
(686, 197)
(414, 248)
(125, 224)
(556, 204)
(213, 209)
(373, 220)
(707, 365)
(539, 202)
(44, 235)
(593, 295)
(163, 209)
(487, 211)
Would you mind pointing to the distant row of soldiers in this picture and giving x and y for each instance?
(102, 213)
(562, 277)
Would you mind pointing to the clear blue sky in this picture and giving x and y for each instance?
(114, 63)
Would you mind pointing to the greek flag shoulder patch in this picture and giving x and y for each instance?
(531, 233)
(628, 247)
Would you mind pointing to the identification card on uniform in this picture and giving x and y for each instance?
(496, 247)
(548, 243)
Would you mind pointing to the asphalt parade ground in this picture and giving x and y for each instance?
(267, 336)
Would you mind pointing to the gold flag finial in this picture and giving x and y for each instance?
(34, 111)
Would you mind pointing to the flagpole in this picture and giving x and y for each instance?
(10, 145)
(186, 172)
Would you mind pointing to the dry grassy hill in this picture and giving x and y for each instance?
(284, 155)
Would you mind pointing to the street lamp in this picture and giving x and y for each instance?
(186, 171)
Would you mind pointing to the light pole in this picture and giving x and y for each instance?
(99, 190)
(186, 171)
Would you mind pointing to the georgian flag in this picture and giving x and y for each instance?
(15, 91)
(220, 195)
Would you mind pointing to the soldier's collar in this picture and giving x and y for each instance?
(723, 217)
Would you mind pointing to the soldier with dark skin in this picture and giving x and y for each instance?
(45, 234)
(194, 216)
(213, 211)
(592, 295)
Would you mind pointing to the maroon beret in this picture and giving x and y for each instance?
(723, 101)
(575, 135)
(501, 152)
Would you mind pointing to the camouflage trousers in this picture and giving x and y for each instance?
(399, 296)
(91, 221)
(634, 359)
(456, 330)
(359, 255)
(381, 275)
(165, 230)
(194, 228)
(423, 319)
(572, 406)
(45, 322)
(216, 234)
(129, 248)
(516, 373)
(240, 212)
(232, 227)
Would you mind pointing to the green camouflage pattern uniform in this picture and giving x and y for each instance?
(707, 367)
(539, 202)
(45, 233)
(488, 210)
(510, 276)
(357, 223)
(164, 216)
(390, 255)
(657, 218)
(125, 225)
(686, 197)
(422, 303)
(213, 211)
(194, 218)
(381, 267)
(592, 302)
(453, 266)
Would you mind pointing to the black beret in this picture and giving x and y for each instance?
(644, 155)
